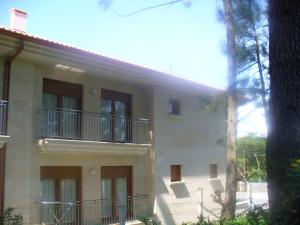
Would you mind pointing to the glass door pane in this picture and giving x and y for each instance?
(106, 196)
(70, 117)
(121, 196)
(120, 121)
(47, 196)
(106, 120)
(49, 118)
(68, 200)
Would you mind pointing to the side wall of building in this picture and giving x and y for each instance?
(193, 140)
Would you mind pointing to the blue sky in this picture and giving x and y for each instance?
(184, 41)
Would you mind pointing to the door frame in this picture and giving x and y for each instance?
(63, 172)
(60, 89)
(122, 97)
(114, 172)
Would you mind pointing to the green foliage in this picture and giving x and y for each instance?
(8, 217)
(211, 103)
(287, 212)
(256, 216)
(251, 48)
(149, 220)
(254, 150)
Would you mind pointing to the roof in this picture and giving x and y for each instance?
(66, 47)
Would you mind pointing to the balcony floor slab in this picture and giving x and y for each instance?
(3, 140)
(50, 145)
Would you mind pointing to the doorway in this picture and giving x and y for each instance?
(116, 113)
(59, 193)
(116, 191)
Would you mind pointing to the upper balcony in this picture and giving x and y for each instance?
(64, 130)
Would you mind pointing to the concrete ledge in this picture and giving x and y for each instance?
(3, 140)
(50, 145)
(134, 222)
(176, 182)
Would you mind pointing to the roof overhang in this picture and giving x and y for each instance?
(43, 51)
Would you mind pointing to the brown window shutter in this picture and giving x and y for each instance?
(175, 173)
(213, 168)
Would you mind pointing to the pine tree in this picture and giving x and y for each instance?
(252, 48)
(231, 168)
(283, 142)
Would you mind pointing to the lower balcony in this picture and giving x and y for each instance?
(63, 130)
(130, 209)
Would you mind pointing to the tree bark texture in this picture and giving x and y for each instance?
(283, 142)
(230, 192)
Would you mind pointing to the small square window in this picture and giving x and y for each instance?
(213, 169)
(175, 173)
(174, 106)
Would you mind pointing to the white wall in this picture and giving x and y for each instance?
(189, 140)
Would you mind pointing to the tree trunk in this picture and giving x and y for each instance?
(283, 142)
(230, 193)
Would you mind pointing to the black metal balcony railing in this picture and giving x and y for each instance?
(3, 117)
(80, 125)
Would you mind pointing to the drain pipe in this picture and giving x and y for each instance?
(7, 69)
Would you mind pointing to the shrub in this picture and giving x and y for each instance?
(149, 220)
(255, 216)
(8, 217)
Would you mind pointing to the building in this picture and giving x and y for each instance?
(109, 135)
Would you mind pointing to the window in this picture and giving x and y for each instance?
(60, 184)
(115, 110)
(174, 106)
(213, 168)
(61, 109)
(175, 173)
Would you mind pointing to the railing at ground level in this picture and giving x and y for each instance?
(3, 117)
(91, 212)
(80, 125)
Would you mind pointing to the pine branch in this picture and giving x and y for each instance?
(246, 68)
(144, 9)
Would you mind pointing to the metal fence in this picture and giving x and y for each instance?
(255, 194)
(75, 124)
(91, 212)
(3, 117)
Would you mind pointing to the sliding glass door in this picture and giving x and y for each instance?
(115, 113)
(60, 191)
(116, 183)
(61, 109)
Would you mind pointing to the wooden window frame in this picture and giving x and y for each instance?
(60, 89)
(114, 172)
(175, 173)
(118, 96)
(62, 172)
(174, 107)
(213, 170)
(123, 97)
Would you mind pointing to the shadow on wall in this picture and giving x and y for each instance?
(217, 185)
(162, 206)
(180, 190)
